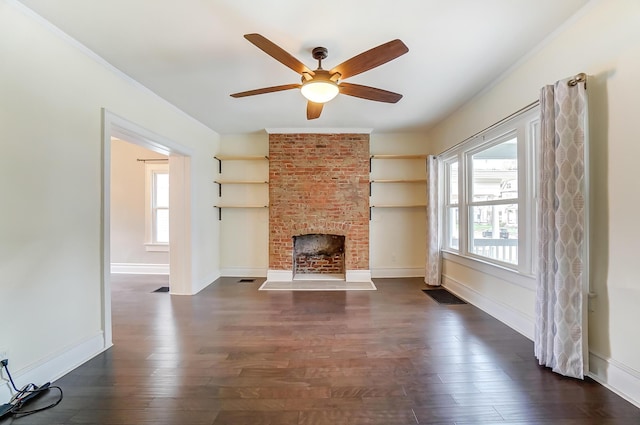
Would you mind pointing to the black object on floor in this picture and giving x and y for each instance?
(162, 289)
(443, 296)
(244, 280)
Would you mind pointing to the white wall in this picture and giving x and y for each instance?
(128, 208)
(244, 233)
(398, 235)
(397, 244)
(603, 40)
(51, 95)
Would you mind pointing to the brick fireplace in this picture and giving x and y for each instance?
(318, 185)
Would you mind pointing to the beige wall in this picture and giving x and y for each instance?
(604, 42)
(397, 246)
(128, 206)
(51, 97)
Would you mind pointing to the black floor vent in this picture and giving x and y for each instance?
(162, 289)
(246, 280)
(443, 296)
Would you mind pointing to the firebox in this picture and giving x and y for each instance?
(318, 254)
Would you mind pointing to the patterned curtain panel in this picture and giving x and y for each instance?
(559, 333)
(434, 261)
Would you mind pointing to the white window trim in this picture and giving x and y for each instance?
(523, 124)
(150, 245)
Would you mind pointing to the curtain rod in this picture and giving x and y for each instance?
(578, 78)
(495, 124)
(152, 159)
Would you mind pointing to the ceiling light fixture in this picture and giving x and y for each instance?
(319, 89)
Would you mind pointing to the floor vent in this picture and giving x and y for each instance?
(162, 289)
(442, 296)
(246, 280)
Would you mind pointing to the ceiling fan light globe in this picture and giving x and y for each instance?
(320, 91)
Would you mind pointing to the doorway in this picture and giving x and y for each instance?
(179, 160)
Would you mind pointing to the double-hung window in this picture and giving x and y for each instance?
(157, 207)
(488, 187)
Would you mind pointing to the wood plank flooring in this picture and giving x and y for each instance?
(233, 355)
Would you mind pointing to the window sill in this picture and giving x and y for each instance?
(156, 247)
(504, 273)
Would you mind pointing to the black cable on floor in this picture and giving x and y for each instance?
(25, 394)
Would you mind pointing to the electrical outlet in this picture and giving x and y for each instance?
(4, 354)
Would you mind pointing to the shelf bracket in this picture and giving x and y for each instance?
(219, 188)
(219, 164)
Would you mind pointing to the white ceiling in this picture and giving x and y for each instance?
(193, 53)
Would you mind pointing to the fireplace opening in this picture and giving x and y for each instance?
(318, 254)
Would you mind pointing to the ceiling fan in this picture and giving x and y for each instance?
(320, 86)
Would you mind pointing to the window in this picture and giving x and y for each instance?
(157, 210)
(488, 190)
(451, 205)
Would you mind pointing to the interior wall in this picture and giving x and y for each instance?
(398, 235)
(128, 207)
(51, 99)
(244, 233)
(397, 244)
(603, 40)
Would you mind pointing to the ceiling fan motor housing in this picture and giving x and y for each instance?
(320, 53)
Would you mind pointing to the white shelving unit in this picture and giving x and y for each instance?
(372, 181)
(220, 182)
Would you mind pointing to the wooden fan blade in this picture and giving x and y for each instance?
(267, 90)
(314, 110)
(369, 93)
(371, 58)
(277, 53)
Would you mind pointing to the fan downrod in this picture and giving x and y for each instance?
(319, 54)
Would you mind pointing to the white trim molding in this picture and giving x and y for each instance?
(243, 272)
(318, 130)
(280, 275)
(358, 276)
(382, 273)
(139, 268)
(56, 365)
(287, 276)
(516, 320)
(615, 376)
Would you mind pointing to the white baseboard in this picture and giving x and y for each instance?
(137, 268)
(243, 272)
(287, 276)
(399, 272)
(55, 365)
(615, 376)
(206, 282)
(280, 275)
(507, 315)
(358, 276)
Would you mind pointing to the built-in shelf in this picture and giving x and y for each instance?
(398, 180)
(221, 158)
(397, 205)
(398, 156)
(220, 207)
(221, 182)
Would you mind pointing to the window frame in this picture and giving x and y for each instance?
(525, 126)
(448, 204)
(151, 242)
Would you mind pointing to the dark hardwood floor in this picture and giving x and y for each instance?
(235, 355)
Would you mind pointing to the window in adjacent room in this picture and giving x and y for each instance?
(157, 207)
